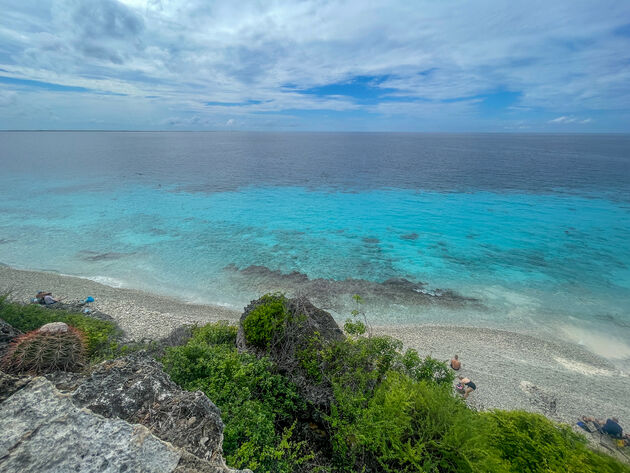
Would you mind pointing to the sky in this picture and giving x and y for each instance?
(357, 65)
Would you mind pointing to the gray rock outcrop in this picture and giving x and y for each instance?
(10, 384)
(545, 402)
(304, 322)
(136, 389)
(7, 334)
(127, 415)
(41, 430)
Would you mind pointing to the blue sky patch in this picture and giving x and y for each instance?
(42, 85)
(362, 88)
(234, 104)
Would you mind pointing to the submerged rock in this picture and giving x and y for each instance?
(41, 430)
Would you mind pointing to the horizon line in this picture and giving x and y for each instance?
(506, 132)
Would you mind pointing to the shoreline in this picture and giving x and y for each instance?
(512, 370)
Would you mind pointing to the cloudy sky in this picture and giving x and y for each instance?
(411, 65)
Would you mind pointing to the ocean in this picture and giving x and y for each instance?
(527, 232)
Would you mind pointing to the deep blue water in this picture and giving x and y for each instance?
(499, 230)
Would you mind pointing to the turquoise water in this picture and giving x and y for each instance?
(547, 262)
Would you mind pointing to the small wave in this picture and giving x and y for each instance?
(199, 300)
(107, 281)
(583, 368)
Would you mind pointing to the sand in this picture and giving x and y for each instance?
(511, 370)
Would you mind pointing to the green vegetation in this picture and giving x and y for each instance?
(531, 442)
(384, 409)
(410, 426)
(265, 322)
(390, 411)
(99, 334)
(359, 369)
(258, 406)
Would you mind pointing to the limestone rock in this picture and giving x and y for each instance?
(304, 321)
(544, 401)
(41, 430)
(7, 334)
(136, 389)
(65, 381)
(308, 320)
(54, 327)
(10, 384)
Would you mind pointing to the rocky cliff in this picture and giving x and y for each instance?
(127, 415)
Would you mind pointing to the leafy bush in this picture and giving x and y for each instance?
(391, 410)
(258, 406)
(410, 426)
(39, 352)
(266, 321)
(528, 442)
(357, 368)
(99, 334)
(218, 333)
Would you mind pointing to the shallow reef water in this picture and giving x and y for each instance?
(518, 231)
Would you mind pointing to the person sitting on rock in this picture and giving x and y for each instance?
(455, 363)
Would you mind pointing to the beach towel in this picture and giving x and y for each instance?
(584, 426)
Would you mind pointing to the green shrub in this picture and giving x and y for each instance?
(266, 321)
(392, 411)
(357, 367)
(99, 334)
(531, 443)
(258, 406)
(218, 333)
(410, 426)
(310, 358)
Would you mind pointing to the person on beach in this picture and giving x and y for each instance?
(45, 298)
(468, 386)
(610, 427)
(455, 363)
(39, 297)
(50, 300)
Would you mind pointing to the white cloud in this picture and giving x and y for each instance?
(563, 119)
(562, 57)
(570, 119)
(7, 98)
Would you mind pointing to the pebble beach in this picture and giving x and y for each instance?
(511, 370)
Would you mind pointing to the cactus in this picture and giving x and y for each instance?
(53, 347)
